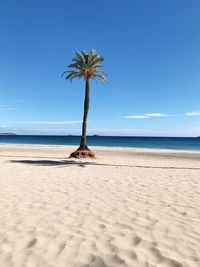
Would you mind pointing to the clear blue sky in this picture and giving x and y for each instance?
(152, 55)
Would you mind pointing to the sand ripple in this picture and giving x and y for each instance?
(100, 216)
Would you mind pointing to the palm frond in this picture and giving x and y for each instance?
(63, 74)
(86, 65)
(70, 74)
(100, 77)
(103, 73)
(75, 65)
(74, 76)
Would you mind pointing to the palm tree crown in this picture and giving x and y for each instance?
(86, 65)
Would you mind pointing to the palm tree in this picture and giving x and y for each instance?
(87, 66)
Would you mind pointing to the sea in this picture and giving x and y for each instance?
(176, 143)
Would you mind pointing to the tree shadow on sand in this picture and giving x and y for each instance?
(67, 163)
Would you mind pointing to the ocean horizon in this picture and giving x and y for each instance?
(176, 143)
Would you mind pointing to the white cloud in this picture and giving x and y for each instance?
(54, 122)
(118, 131)
(197, 128)
(195, 113)
(156, 115)
(194, 131)
(147, 115)
(136, 117)
(6, 108)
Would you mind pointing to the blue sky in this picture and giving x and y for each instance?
(152, 55)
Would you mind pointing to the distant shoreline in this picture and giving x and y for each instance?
(94, 135)
(8, 134)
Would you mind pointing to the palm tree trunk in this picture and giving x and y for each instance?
(83, 151)
(83, 144)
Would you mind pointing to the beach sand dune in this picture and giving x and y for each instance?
(125, 208)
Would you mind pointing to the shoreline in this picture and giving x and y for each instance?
(103, 150)
(107, 148)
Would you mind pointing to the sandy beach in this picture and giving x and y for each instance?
(125, 208)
